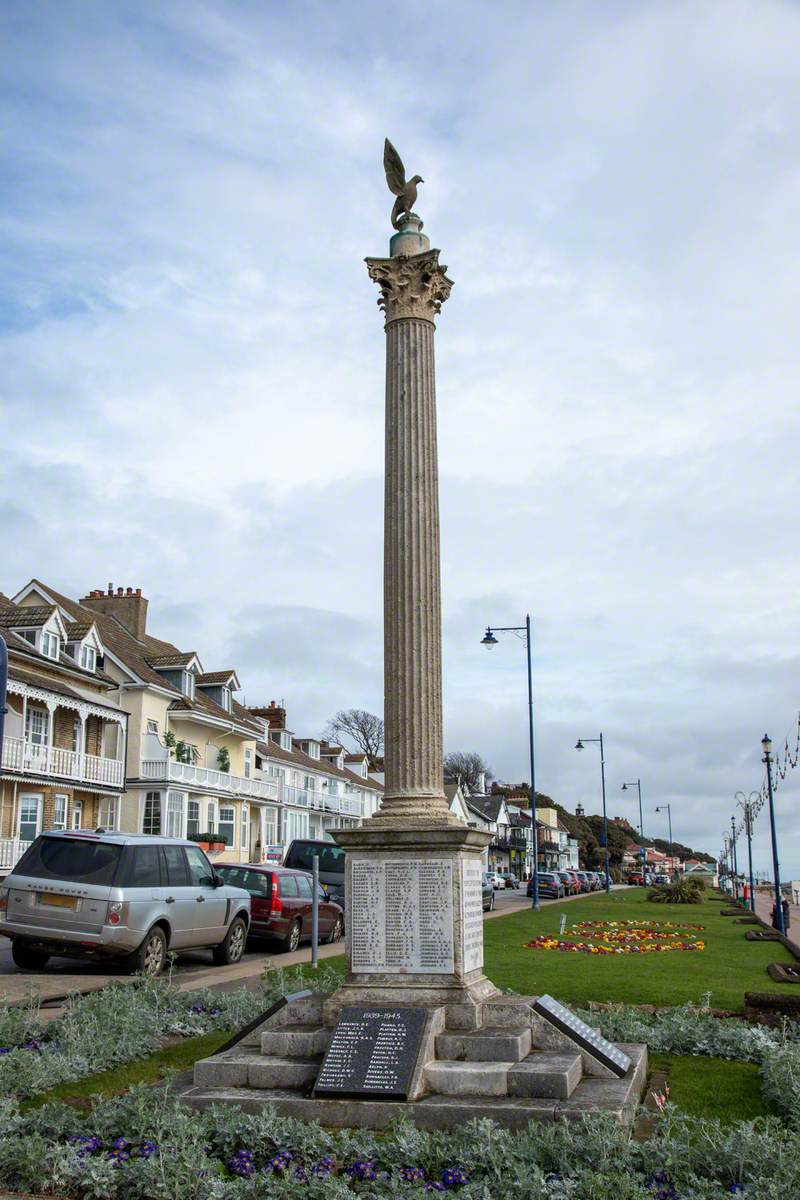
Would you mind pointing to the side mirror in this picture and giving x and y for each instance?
(217, 880)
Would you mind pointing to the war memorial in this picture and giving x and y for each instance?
(416, 1027)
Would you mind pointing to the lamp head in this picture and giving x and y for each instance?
(579, 744)
(766, 744)
(488, 638)
(624, 787)
(579, 810)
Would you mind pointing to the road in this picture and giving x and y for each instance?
(193, 969)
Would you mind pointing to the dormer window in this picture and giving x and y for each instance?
(89, 658)
(225, 698)
(51, 645)
(188, 684)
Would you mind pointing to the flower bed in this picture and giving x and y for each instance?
(124, 1024)
(624, 937)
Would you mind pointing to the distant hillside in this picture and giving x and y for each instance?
(588, 830)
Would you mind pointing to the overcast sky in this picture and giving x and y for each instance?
(192, 358)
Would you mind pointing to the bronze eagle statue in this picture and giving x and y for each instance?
(405, 190)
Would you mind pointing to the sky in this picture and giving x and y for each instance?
(191, 369)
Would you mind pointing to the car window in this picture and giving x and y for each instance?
(287, 885)
(70, 859)
(145, 870)
(200, 870)
(331, 858)
(304, 886)
(257, 883)
(177, 874)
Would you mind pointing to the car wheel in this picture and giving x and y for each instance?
(151, 955)
(27, 958)
(292, 939)
(337, 931)
(231, 950)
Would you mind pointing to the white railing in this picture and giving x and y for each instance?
(23, 756)
(204, 779)
(11, 851)
(321, 801)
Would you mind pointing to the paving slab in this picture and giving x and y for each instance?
(546, 1075)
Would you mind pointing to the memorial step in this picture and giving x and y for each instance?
(485, 1045)
(274, 1072)
(295, 1041)
(468, 1078)
(544, 1075)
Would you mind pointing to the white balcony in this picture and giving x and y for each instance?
(202, 779)
(54, 762)
(321, 801)
(11, 851)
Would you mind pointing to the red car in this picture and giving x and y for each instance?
(577, 886)
(280, 904)
(636, 880)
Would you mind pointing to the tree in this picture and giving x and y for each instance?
(466, 768)
(356, 725)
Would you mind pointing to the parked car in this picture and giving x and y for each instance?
(497, 880)
(550, 885)
(635, 879)
(487, 888)
(661, 879)
(593, 880)
(577, 886)
(570, 884)
(510, 879)
(129, 897)
(331, 864)
(280, 904)
(584, 881)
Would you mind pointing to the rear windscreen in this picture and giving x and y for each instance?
(71, 860)
(331, 858)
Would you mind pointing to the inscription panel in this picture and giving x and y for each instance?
(401, 916)
(472, 913)
(372, 1053)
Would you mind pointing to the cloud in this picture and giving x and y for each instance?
(192, 359)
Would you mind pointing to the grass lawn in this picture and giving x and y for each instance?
(714, 1087)
(148, 1070)
(728, 967)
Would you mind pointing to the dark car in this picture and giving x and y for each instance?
(280, 904)
(550, 885)
(331, 864)
(487, 890)
(510, 878)
(583, 880)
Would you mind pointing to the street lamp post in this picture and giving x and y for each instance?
(745, 802)
(735, 860)
(638, 784)
(490, 640)
(766, 746)
(661, 808)
(579, 746)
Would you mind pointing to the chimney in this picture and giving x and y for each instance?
(128, 606)
(274, 713)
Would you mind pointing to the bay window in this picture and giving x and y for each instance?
(174, 821)
(109, 812)
(60, 811)
(151, 819)
(193, 818)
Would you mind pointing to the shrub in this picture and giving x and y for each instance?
(681, 891)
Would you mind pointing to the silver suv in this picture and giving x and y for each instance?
(121, 896)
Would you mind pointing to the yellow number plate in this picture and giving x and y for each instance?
(58, 901)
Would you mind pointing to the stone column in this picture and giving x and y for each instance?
(413, 288)
(413, 870)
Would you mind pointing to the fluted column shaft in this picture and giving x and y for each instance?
(412, 590)
(413, 289)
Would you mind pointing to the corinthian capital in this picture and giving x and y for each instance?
(413, 285)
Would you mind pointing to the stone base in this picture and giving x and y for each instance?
(496, 1059)
(419, 993)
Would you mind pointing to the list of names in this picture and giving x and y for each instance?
(402, 915)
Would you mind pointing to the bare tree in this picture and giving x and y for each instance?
(467, 768)
(356, 725)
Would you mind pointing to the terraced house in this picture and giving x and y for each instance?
(189, 765)
(189, 760)
(64, 750)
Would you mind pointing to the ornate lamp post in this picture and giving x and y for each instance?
(766, 746)
(735, 860)
(489, 640)
(579, 745)
(746, 804)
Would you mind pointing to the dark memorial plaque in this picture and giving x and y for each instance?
(372, 1053)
